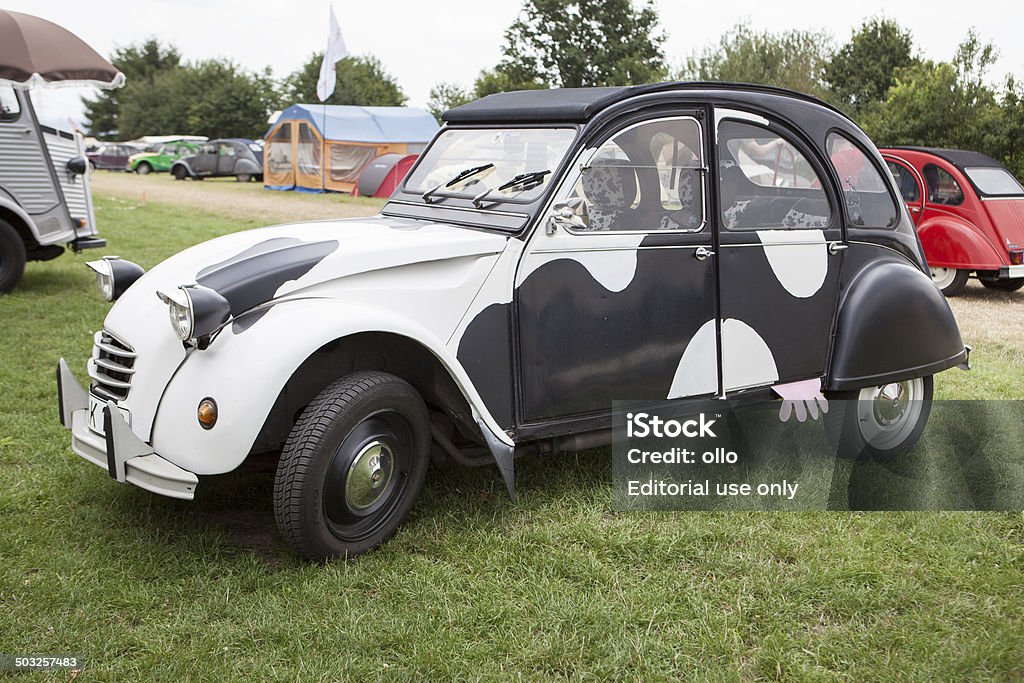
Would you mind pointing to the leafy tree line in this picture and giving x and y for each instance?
(217, 97)
(877, 76)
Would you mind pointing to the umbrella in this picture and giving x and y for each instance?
(36, 52)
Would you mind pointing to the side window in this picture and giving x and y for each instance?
(647, 178)
(226, 150)
(868, 201)
(766, 182)
(10, 108)
(942, 187)
(209, 149)
(905, 181)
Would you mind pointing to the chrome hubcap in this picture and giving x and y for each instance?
(369, 475)
(888, 414)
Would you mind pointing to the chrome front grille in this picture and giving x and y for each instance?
(111, 367)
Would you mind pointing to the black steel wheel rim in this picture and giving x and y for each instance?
(368, 476)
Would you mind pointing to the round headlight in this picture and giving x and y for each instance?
(196, 312)
(114, 275)
(179, 311)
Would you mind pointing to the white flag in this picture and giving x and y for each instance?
(336, 51)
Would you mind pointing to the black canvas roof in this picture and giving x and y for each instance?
(958, 157)
(578, 105)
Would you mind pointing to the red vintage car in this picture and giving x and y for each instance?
(969, 213)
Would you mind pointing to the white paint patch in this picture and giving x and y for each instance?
(614, 269)
(746, 359)
(799, 259)
(697, 372)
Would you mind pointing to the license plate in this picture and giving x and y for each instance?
(96, 407)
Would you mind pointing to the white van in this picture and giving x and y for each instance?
(45, 200)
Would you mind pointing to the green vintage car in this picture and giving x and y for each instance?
(159, 156)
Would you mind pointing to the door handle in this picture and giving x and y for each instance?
(836, 247)
(702, 253)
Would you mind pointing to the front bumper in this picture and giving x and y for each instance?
(125, 456)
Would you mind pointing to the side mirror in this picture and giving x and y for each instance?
(563, 214)
(77, 166)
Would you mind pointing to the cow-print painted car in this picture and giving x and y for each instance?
(552, 251)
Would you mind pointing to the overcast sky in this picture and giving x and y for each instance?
(421, 43)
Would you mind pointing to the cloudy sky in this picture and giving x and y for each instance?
(422, 43)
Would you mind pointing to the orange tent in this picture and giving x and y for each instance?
(314, 148)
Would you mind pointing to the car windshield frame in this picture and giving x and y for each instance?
(972, 173)
(430, 172)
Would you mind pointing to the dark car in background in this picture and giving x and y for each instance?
(111, 156)
(237, 157)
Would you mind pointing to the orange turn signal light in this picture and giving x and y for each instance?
(207, 413)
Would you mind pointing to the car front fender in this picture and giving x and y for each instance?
(894, 324)
(185, 165)
(251, 360)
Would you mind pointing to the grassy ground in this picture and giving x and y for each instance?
(556, 586)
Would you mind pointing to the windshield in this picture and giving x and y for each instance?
(512, 151)
(995, 181)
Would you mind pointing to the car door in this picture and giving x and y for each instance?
(206, 160)
(780, 254)
(226, 157)
(615, 299)
(910, 185)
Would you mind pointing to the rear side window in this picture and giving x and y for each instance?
(942, 187)
(995, 181)
(767, 183)
(10, 109)
(868, 201)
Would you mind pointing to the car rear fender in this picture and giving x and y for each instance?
(951, 242)
(894, 324)
(247, 166)
(250, 361)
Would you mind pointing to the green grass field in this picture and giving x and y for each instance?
(554, 587)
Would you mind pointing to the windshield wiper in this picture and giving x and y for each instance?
(460, 177)
(523, 181)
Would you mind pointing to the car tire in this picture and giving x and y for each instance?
(243, 177)
(352, 467)
(179, 173)
(143, 169)
(92, 167)
(991, 282)
(12, 257)
(879, 422)
(950, 281)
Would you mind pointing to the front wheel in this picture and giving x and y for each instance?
(179, 173)
(144, 169)
(12, 257)
(879, 422)
(352, 467)
(950, 281)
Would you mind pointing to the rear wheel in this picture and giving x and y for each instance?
(990, 281)
(12, 257)
(951, 281)
(144, 169)
(879, 422)
(352, 467)
(243, 177)
(179, 173)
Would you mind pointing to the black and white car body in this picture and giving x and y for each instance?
(551, 251)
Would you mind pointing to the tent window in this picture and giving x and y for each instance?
(309, 150)
(348, 160)
(279, 150)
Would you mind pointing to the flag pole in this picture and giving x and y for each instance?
(335, 52)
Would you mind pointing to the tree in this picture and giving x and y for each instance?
(141, 64)
(577, 43)
(360, 80)
(445, 96)
(793, 59)
(861, 72)
(944, 104)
